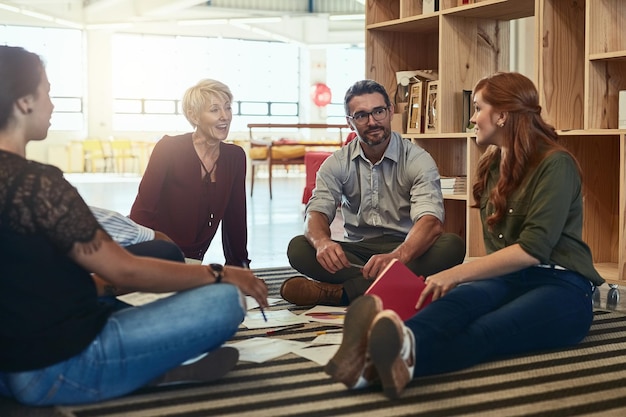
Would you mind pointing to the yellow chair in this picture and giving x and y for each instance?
(122, 151)
(95, 151)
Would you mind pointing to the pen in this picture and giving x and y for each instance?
(357, 265)
(282, 329)
(246, 266)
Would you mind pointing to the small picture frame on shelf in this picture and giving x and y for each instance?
(431, 117)
(414, 117)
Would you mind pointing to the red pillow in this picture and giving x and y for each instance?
(349, 138)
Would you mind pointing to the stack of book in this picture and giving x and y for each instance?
(453, 185)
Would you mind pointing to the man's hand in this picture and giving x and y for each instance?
(331, 256)
(376, 264)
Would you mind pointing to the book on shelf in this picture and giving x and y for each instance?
(468, 108)
(399, 289)
(453, 185)
(430, 6)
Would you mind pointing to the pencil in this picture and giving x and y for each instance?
(282, 329)
(246, 266)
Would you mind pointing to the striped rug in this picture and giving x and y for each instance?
(589, 379)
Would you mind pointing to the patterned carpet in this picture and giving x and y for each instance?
(589, 379)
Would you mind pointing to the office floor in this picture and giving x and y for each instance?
(271, 222)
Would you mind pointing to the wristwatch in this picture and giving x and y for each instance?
(218, 271)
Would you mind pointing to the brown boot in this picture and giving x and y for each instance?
(392, 350)
(351, 364)
(302, 291)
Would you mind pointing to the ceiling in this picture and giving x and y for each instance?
(307, 22)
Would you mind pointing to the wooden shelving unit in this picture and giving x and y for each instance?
(580, 51)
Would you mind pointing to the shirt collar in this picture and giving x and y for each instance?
(391, 152)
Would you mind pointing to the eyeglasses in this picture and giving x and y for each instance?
(362, 118)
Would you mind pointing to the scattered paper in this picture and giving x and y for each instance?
(262, 349)
(318, 354)
(328, 339)
(141, 298)
(326, 314)
(275, 318)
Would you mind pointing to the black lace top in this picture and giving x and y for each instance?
(49, 309)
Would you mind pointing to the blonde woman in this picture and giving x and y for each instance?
(195, 181)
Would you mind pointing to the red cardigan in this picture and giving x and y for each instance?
(174, 199)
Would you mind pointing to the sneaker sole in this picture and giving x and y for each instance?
(347, 364)
(384, 349)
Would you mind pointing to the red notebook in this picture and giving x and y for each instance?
(399, 289)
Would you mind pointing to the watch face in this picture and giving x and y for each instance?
(216, 267)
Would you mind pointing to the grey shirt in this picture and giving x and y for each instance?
(385, 198)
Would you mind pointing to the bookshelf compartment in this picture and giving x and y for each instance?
(481, 48)
(450, 154)
(385, 55)
(607, 19)
(606, 79)
(455, 221)
(410, 8)
(562, 64)
(381, 11)
(599, 160)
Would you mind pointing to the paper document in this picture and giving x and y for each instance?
(277, 318)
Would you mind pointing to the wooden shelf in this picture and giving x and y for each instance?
(580, 51)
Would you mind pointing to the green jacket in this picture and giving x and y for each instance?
(545, 216)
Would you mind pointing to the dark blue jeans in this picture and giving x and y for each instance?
(531, 310)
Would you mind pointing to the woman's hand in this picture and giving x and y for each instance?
(247, 282)
(437, 285)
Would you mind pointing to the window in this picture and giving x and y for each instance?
(62, 53)
(344, 67)
(151, 74)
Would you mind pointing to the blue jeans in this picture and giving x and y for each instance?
(530, 310)
(136, 345)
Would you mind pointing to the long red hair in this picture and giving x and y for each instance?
(528, 138)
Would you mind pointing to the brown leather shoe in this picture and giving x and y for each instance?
(302, 291)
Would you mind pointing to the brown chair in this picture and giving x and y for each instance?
(285, 152)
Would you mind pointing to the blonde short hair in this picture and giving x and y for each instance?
(197, 97)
